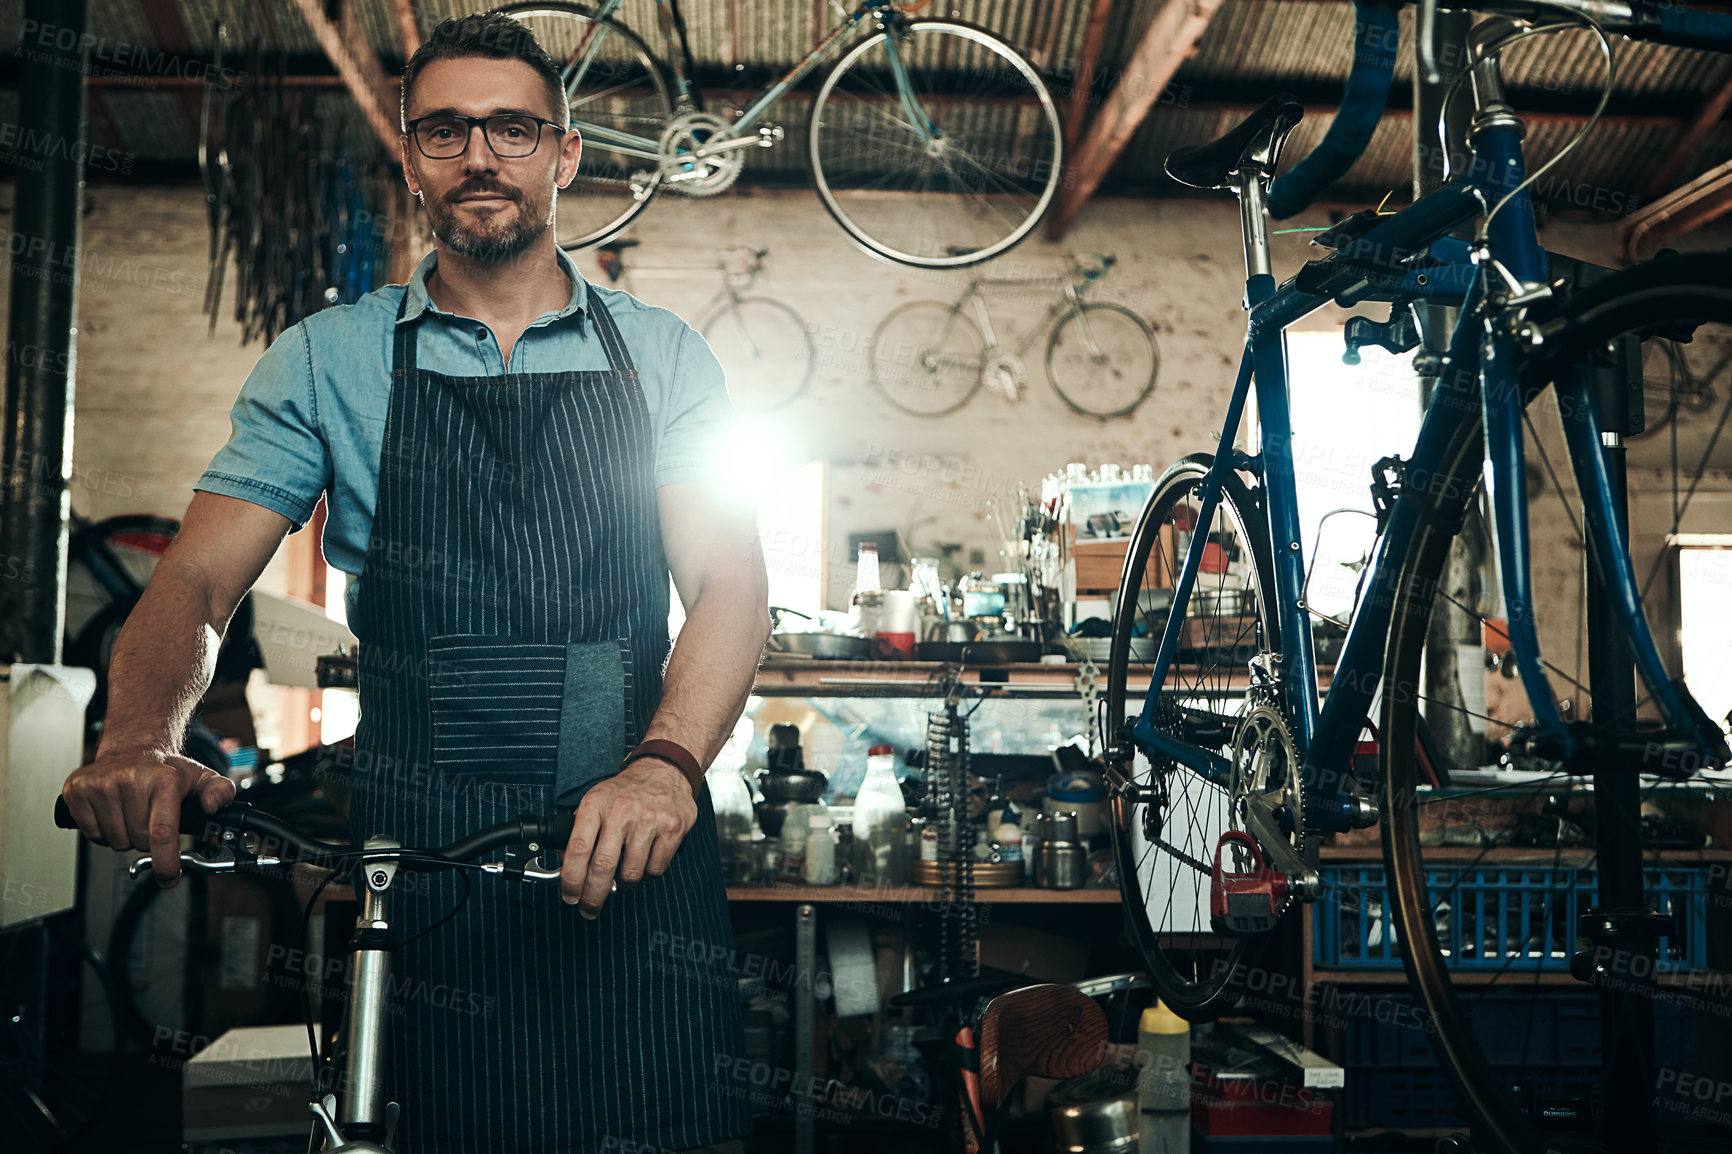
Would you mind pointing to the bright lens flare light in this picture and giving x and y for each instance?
(758, 460)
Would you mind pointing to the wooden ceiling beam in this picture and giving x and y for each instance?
(1710, 114)
(1683, 210)
(355, 61)
(408, 28)
(1166, 44)
(1082, 81)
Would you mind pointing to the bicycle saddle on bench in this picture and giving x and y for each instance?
(1048, 1031)
(1255, 143)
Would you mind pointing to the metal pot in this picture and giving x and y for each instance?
(1095, 1114)
(798, 785)
(822, 646)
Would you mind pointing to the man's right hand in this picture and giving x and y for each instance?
(131, 800)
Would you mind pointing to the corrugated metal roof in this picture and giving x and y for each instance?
(1251, 49)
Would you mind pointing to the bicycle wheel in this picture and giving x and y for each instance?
(765, 349)
(622, 89)
(1102, 360)
(928, 358)
(964, 186)
(1534, 833)
(1167, 819)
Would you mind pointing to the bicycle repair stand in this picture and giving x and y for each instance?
(1622, 931)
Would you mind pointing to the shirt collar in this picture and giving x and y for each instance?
(419, 301)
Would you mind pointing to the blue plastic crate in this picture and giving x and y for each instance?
(1558, 1028)
(1414, 1098)
(1517, 919)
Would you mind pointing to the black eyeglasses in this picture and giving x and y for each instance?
(511, 135)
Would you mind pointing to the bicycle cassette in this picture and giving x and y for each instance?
(685, 134)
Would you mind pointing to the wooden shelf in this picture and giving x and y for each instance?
(784, 676)
(807, 677)
(868, 895)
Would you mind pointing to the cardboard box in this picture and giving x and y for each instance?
(1100, 565)
(249, 1083)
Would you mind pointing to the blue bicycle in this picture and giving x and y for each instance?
(932, 142)
(1228, 774)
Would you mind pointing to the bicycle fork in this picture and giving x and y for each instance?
(364, 1122)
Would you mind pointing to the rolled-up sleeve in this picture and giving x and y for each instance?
(697, 418)
(276, 455)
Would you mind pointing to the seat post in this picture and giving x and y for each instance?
(1254, 220)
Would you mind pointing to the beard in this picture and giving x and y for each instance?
(493, 240)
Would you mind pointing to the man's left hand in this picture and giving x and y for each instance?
(628, 827)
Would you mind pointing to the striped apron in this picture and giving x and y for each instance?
(513, 619)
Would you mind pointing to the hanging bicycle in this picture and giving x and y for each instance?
(932, 142)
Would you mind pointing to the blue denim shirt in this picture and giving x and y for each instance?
(311, 417)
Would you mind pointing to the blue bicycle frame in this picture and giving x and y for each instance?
(1325, 737)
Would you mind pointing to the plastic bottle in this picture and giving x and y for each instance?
(866, 576)
(880, 822)
(929, 842)
(734, 821)
(796, 828)
(1164, 1082)
(820, 851)
(1009, 839)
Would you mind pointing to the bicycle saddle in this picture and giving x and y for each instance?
(1255, 143)
(1049, 1031)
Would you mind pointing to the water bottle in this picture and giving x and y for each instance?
(1164, 1081)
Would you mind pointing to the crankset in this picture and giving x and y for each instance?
(1270, 802)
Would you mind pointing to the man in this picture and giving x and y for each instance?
(512, 460)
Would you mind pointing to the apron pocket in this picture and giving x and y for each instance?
(592, 720)
(496, 707)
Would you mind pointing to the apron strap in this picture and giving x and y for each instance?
(618, 359)
(403, 344)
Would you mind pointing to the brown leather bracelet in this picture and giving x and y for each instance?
(673, 752)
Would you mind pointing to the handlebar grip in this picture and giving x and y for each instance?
(193, 819)
(1377, 41)
(558, 827)
(1687, 28)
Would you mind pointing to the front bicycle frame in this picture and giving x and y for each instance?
(1456, 274)
(1069, 301)
(648, 148)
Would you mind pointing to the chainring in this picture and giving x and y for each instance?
(1265, 762)
(687, 132)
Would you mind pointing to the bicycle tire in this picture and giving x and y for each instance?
(600, 202)
(747, 352)
(1193, 989)
(850, 127)
(1119, 360)
(1649, 299)
(897, 365)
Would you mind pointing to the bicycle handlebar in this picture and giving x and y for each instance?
(1377, 39)
(552, 829)
(1376, 44)
(1688, 28)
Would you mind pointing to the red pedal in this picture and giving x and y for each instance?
(1248, 897)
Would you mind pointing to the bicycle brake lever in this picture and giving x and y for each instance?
(528, 873)
(197, 863)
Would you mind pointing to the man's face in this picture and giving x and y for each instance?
(483, 206)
